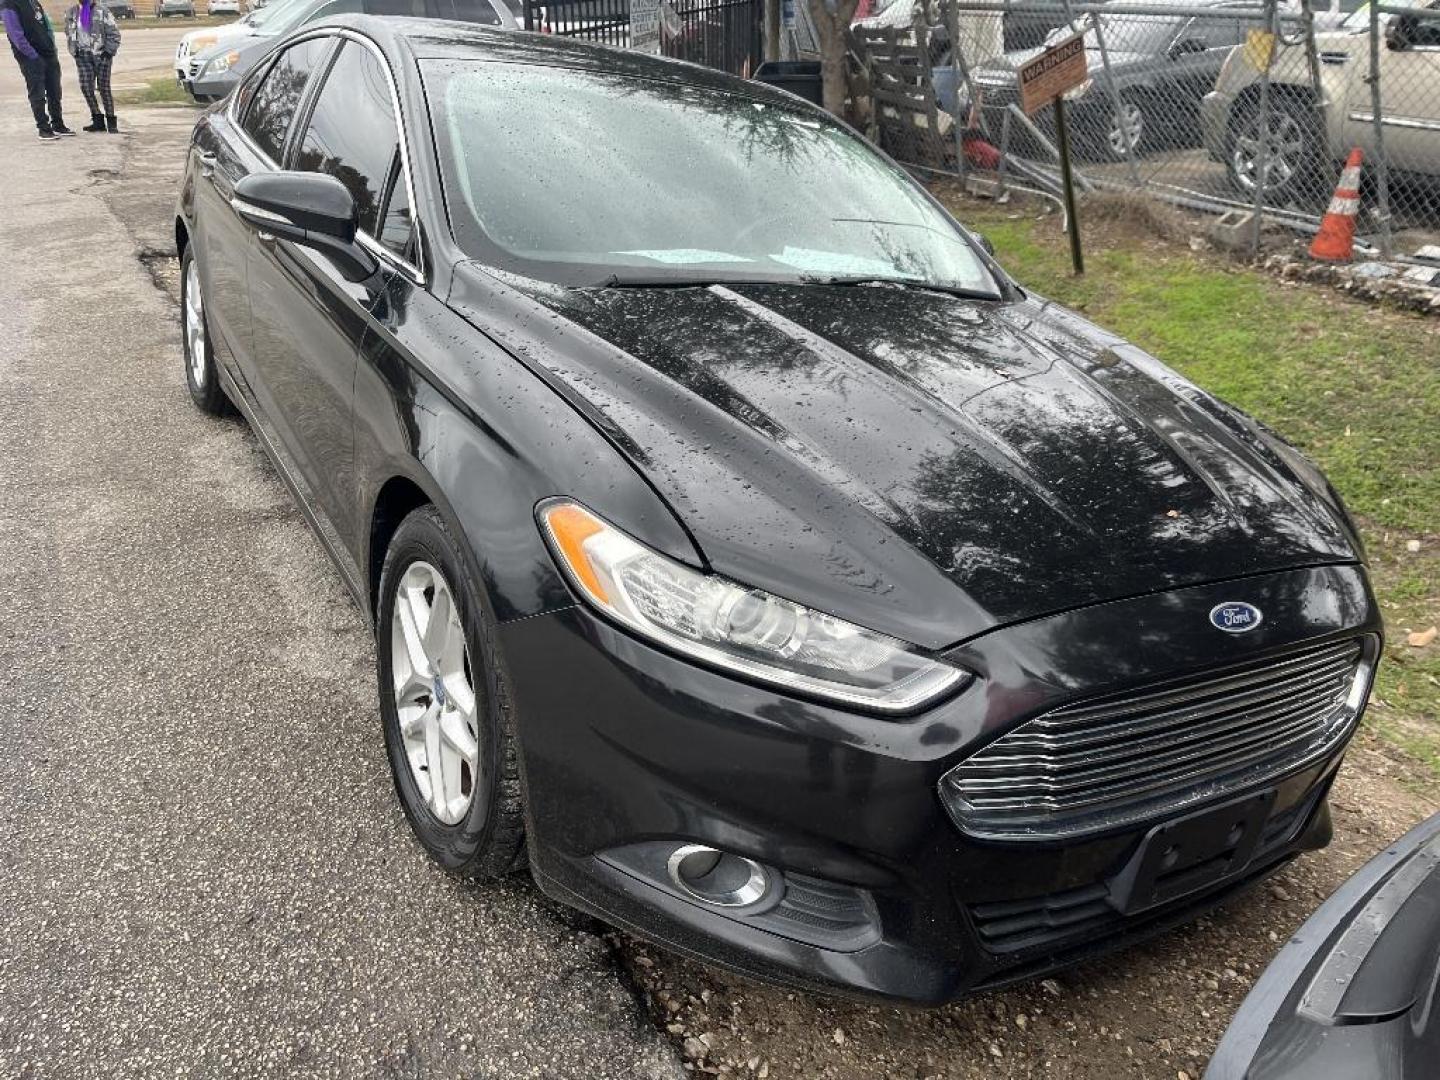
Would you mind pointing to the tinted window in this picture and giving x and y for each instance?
(273, 107)
(1138, 33)
(353, 135)
(581, 176)
(473, 11)
(1213, 33)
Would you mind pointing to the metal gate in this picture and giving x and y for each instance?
(603, 21)
(721, 34)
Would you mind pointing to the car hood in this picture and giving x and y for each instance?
(928, 466)
(199, 41)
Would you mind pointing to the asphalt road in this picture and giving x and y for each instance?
(203, 870)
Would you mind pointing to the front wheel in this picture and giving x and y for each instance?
(1289, 142)
(445, 704)
(1126, 132)
(201, 378)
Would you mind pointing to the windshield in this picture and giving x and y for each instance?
(280, 17)
(588, 178)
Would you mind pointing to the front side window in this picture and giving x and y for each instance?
(1213, 33)
(272, 107)
(353, 136)
(584, 177)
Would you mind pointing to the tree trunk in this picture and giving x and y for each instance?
(772, 29)
(830, 27)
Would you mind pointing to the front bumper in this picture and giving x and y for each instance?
(626, 748)
(208, 87)
(1215, 123)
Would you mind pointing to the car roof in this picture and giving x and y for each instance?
(439, 39)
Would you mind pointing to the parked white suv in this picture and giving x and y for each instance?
(1306, 142)
(200, 41)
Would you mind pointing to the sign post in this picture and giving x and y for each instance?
(1043, 81)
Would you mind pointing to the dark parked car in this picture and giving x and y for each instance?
(1352, 992)
(1161, 66)
(121, 9)
(748, 555)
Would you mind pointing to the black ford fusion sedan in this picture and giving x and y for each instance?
(747, 554)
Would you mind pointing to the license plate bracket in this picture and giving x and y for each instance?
(1192, 852)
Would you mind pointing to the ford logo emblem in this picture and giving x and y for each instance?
(1235, 617)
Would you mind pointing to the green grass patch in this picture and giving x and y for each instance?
(161, 90)
(1354, 386)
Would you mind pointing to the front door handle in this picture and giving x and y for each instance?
(207, 165)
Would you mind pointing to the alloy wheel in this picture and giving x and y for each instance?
(195, 323)
(1127, 128)
(1284, 144)
(435, 692)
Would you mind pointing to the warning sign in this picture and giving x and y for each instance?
(1059, 68)
(645, 26)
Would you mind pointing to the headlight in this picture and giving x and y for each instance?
(222, 63)
(1080, 90)
(739, 629)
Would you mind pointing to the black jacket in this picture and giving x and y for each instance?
(35, 25)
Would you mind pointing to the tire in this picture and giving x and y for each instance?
(472, 820)
(1132, 119)
(201, 377)
(1295, 141)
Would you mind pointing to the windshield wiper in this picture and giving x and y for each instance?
(902, 283)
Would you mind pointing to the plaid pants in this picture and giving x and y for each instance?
(95, 75)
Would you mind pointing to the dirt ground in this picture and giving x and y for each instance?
(1153, 1011)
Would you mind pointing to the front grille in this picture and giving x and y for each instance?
(1109, 762)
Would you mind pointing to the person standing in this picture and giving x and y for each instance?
(93, 38)
(33, 43)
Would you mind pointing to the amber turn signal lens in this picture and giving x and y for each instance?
(571, 527)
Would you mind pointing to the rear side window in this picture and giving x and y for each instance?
(273, 105)
(1214, 33)
(353, 135)
(471, 11)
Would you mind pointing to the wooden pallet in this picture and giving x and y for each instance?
(905, 113)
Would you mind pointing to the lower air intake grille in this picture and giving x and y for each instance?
(1107, 762)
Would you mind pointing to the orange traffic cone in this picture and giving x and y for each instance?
(1335, 242)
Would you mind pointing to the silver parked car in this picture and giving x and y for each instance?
(1306, 142)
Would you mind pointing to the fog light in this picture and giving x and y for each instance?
(717, 877)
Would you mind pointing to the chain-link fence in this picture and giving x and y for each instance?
(1227, 105)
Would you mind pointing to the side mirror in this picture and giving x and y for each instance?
(1400, 32)
(985, 244)
(310, 209)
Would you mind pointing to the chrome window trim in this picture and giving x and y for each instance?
(1408, 122)
(370, 243)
